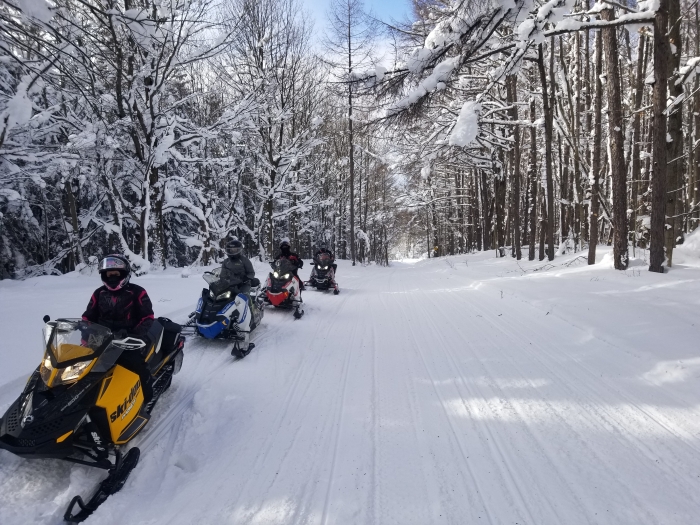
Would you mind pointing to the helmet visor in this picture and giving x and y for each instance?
(113, 263)
(234, 248)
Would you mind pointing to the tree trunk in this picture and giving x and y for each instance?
(499, 187)
(695, 153)
(662, 57)
(617, 145)
(595, 161)
(515, 207)
(549, 134)
(533, 179)
(636, 132)
(674, 203)
(352, 146)
(75, 237)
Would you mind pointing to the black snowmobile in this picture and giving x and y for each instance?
(83, 405)
(323, 273)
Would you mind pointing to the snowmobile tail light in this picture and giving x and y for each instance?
(224, 295)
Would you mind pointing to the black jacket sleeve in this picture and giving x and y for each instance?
(92, 313)
(144, 312)
(249, 270)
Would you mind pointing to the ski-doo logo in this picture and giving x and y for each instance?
(96, 438)
(123, 409)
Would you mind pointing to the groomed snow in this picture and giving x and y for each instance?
(457, 390)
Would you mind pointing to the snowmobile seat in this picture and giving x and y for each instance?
(170, 332)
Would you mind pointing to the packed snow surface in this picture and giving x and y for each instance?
(458, 390)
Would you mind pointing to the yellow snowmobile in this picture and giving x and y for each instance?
(85, 402)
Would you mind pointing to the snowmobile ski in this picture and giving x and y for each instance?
(239, 352)
(111, 485)
(298, 313)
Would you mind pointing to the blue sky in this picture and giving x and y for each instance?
(383, 9)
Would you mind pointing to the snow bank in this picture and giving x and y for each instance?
(689, 252)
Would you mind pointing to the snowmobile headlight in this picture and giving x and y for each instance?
(53, 377)
(225, 295)
(286, 276)
(74, 372)
(325, 267)
(46, 370)
(275, 274)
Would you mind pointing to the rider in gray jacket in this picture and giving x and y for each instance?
(237, 270)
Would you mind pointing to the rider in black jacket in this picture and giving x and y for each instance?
(287, 253)
(237, 270)
(324, 249)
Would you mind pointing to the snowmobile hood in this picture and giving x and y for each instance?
(41, 421)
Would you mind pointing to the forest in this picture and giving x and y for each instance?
(161, 128)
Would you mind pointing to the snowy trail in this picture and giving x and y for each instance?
(425, 393)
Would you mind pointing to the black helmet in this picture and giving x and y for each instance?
(285, 243)
(234, 247)
(119, 263)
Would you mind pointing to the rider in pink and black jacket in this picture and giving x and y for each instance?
(126, 309)
(120, 305)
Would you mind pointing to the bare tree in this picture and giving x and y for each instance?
(349, 42)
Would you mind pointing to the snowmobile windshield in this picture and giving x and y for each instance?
(74, 339)
(324, 259)
(213, 276)
(283, 267)
(72, 348)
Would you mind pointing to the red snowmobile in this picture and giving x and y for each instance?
(283, 288)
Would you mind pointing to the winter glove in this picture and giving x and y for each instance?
(255, 282)
(120, 334)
